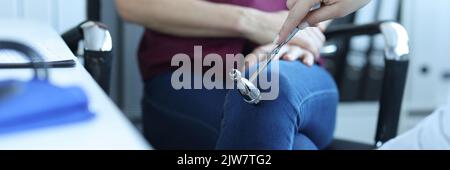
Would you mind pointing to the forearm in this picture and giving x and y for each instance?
(191, 18)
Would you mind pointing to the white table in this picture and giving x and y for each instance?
(109, 129)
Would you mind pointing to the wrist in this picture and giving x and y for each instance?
(248, 22)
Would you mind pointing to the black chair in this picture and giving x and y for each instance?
(97, 50)
(395, 74)
(357, 65)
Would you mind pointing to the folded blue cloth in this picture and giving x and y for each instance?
(38, 104)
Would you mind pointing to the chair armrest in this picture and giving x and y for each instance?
(395, 74)
(351, 30)
(95, 35)
(97, 54)
(72, 38)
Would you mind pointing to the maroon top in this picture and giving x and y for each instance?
(157, 49)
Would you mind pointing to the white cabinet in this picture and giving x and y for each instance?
(61, 14)
(428, 23)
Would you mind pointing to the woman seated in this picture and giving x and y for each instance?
(301, 117)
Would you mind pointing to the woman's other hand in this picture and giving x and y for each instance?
(305, 47)
(288, 53)
(310, 39)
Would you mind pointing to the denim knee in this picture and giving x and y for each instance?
(282, 118)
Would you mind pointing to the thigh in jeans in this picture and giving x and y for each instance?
(181, 119)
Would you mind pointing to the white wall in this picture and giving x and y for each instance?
(61, 14)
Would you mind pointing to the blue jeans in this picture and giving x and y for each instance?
(302, 118)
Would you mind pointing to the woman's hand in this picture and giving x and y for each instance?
(288, 53)
(305, 47)
(330, 9)
(310, 39)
